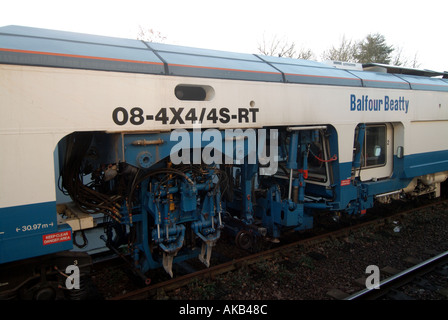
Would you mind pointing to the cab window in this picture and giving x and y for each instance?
(373, 153)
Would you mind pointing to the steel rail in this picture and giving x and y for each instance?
(400, 278)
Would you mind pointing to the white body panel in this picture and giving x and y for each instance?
(39, 106)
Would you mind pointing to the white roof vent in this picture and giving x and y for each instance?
(344, 65)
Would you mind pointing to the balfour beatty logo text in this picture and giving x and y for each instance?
(364, 103)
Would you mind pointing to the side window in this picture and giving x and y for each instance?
(373, 152)
(375, 146)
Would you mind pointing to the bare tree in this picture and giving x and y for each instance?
(345, 52)
(305, 54)
(283, 48)
(277, 47)
(150, 35)
(400, 60)
(414, 62)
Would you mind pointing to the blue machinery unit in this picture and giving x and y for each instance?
(164, 211)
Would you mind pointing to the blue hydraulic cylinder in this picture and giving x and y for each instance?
(292, 159)
(303, 173)
(247, 173)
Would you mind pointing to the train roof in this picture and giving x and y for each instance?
(53, 48)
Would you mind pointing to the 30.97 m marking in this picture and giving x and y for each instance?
(136, 115)
(33, 227)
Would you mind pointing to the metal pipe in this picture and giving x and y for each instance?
(147, 142)
(290, 184)
(301, 128)
(387, 193)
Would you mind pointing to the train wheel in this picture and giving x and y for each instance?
(244, 240)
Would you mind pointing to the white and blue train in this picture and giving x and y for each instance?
(163, 148)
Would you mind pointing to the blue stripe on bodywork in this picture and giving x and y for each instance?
(425, 163)
(22, 229)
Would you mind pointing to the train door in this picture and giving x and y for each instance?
(375, 144)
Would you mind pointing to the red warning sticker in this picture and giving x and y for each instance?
(345, 182)
(56, 237)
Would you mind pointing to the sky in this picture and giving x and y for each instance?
(417, 27)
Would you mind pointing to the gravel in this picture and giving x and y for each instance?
(310, 273)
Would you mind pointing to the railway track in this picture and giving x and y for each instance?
(418, 275)
(153, 290)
